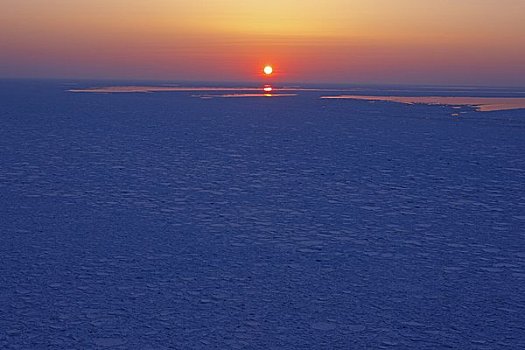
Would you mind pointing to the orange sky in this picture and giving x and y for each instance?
(339, 41)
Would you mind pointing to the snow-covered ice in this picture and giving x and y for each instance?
(163, 221)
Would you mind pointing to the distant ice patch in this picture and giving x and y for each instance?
(482, 104)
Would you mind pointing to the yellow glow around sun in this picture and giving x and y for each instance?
(268, 70)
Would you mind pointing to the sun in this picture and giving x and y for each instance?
(268, 70)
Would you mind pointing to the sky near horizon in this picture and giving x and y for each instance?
(472, 42)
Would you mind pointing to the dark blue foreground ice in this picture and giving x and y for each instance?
(162, 221)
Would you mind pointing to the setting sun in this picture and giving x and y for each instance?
(268, 70)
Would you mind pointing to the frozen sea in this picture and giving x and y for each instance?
(165, 220)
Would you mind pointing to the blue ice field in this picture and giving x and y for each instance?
(167, 221)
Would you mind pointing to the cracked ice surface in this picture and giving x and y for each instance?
(159, 221)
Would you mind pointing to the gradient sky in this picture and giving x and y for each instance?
(478, 42)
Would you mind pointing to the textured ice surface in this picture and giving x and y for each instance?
(158, 221)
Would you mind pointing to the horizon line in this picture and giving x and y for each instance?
(259, 83)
